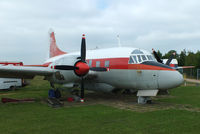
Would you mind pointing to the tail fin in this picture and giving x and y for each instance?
(54, 50)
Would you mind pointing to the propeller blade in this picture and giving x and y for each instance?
(83, 49)
(82, 89)
(170, 58)
(156, 56)
(65, 67)
(99, 69)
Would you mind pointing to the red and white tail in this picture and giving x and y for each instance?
(54, 50)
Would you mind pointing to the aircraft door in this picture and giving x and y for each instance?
(147, 79)
(154, 77)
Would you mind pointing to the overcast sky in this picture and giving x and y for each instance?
(159, 24)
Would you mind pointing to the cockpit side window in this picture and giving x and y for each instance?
(135, 59)
(144, 57)
(149, 57)
(139, 58)
(131, 61)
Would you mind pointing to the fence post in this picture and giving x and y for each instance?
(198, 74)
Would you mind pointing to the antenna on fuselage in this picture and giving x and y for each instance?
(119, 44)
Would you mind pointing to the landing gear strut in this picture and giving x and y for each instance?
(144, 100)
(52, 85)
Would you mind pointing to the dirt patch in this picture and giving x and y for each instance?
(128, 102)
(6, 94)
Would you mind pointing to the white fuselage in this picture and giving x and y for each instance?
(129, 68)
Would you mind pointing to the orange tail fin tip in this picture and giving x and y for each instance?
(54, 50)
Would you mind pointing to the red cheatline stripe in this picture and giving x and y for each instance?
(122, 63)
(12, 63)
(44, 65)
(118, 63)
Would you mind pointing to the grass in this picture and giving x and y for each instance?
(98, 119)
(184, 95)
(38, 89)
(38, 118)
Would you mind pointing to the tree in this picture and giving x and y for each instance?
(181, 60)
(159, 54)
(191, 59)
(198, 59)
(167, 55)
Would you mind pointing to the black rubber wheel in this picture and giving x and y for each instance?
(12, 88)
(57, 94)
(149, 102)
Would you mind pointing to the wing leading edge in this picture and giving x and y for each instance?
(24, 71)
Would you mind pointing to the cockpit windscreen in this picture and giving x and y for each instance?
(137, 56)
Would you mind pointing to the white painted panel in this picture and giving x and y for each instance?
(147, 92)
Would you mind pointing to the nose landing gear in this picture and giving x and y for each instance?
(144, 100)
(144, 96)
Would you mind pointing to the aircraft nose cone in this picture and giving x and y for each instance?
(178, 79)
(170, 79)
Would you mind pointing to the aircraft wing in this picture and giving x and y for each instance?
(24, 71)
(183, 67)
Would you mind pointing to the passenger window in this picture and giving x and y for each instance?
(107, 63)
(139, 58)
(97, 63)
(90, 63)
(144, 57)
(135, 59)
(131, 61)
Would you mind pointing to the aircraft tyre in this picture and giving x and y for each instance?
(57, 94)
(144, 100)
(12, 88)
(75, 92)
